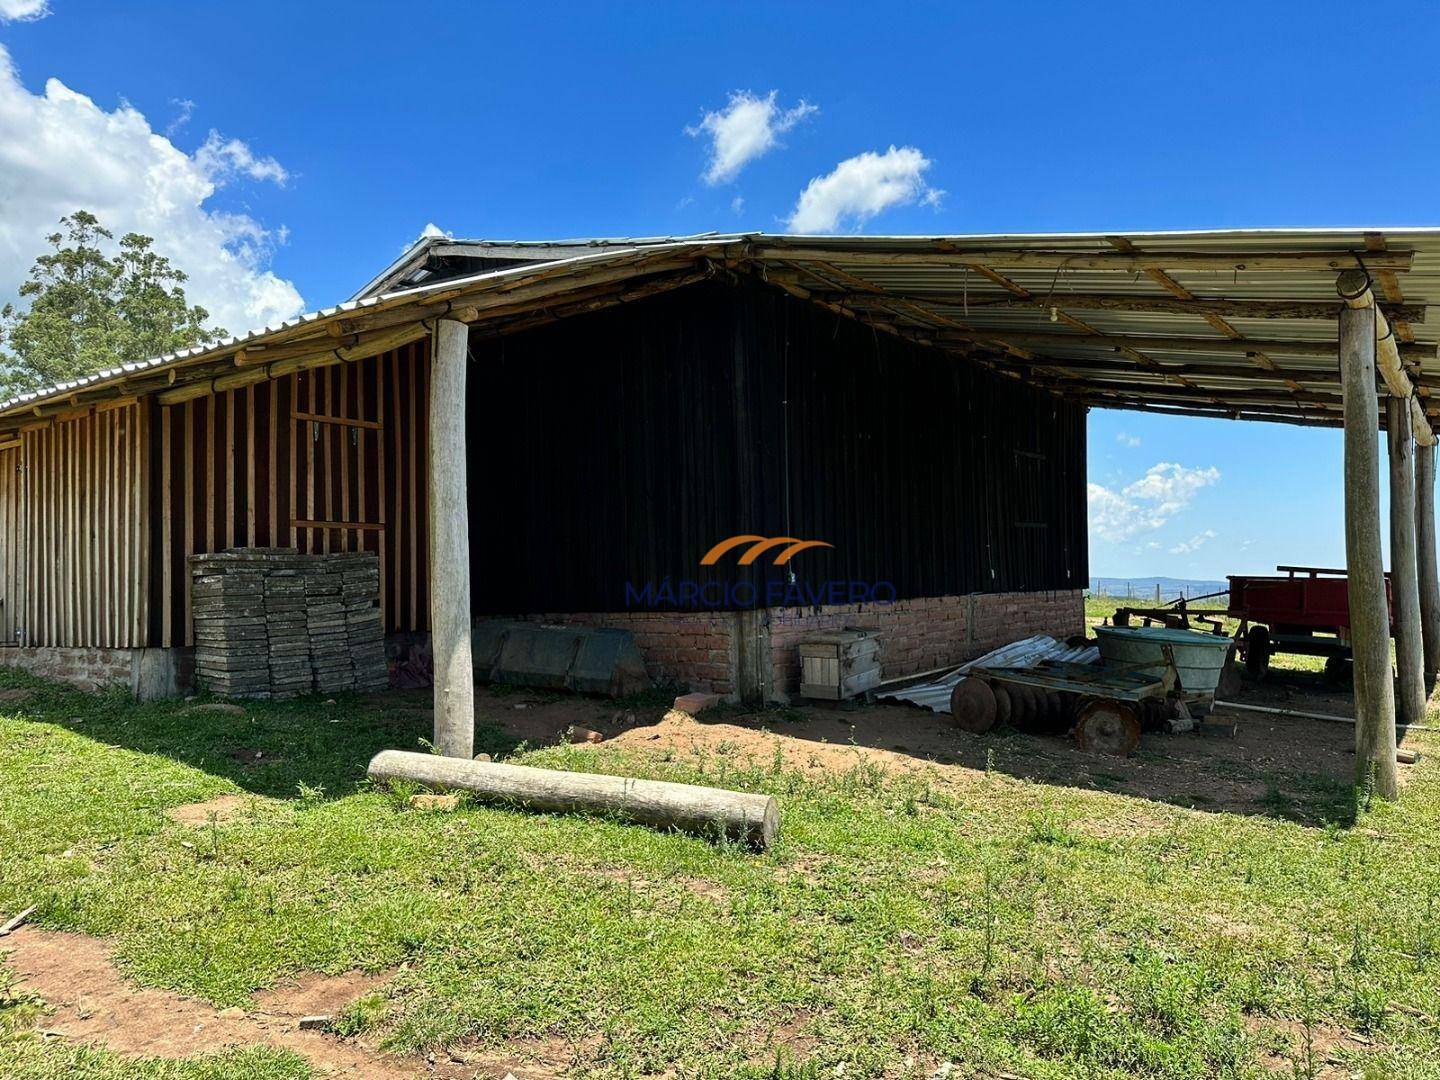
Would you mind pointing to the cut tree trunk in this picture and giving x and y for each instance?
(1426, 560)
(1410, 692)
(709, 812)
(450, 545)
(1369, 612)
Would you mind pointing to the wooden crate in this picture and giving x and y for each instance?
(840, 664)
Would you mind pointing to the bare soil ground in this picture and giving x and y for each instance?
(1234, 775)
(219, 809)
(91, 1002)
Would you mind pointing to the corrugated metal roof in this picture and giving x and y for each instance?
(940, 288)
(497, 278)
(934, 694)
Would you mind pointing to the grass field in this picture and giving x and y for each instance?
(904, 921)
(1100, 607)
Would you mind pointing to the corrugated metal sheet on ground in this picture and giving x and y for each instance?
(935, 695)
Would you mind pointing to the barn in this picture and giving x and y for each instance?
(887, 432)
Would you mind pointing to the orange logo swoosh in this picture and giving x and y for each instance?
(758, 546)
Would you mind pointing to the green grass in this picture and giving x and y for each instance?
(901, 922)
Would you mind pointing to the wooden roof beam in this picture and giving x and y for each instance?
(1146, 362)
(1219, 346)
(1269, 416)
(1199, 306)
(1354, 289)
(1036, 259)
(1216, 320)
(1322, 376)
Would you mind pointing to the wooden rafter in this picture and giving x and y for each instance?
(1198, 306)
(1326, 376)
(1216, 319)
(1031, 258)
(1145, 361)
(1036, 339)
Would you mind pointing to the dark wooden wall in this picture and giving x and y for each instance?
(618, 447)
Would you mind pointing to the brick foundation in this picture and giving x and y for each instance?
(702, 650)
(928, 632)
(146, 673)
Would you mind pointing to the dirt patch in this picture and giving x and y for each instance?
(219, 809)
(1277, 766)
(313, 994)
(545, 1058)
(91, 1003)
(1315, 1051)
(541, 718)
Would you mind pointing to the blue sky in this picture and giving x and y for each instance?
(285, 152)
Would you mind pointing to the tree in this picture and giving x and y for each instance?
(89, 310)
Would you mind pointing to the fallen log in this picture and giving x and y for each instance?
(707, 812)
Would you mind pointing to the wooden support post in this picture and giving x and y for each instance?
(1429, 577)
(450, 545)
(1369, 617)
(1404, 586)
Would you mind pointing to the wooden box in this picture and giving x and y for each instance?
(840, 664)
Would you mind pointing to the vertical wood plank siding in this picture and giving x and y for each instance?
(73, 531)
(619, 446)
(322, 460)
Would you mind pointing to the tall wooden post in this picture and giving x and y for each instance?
(1369, 617)
(1404, 585)
(450, 544)
(1425, 561)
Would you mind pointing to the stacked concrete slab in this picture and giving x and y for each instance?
(230, 634)
(271, 622)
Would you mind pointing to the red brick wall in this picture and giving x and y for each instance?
(929, 632)
(699, 649)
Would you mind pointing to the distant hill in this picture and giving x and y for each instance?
(1143, 588)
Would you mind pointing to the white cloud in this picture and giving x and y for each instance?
(862, 186)
(1194, 544)
(23, 10)
(60, 152)
(1126, 439)
(223, 159)
(1146, 504)
(747, 128)
(737, 205)
(185, 108)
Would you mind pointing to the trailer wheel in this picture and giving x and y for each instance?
(1339, 671)
(1257, 651)
(1108, 727)
(972, 705)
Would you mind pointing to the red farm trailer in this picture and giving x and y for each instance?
(1307, 611)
